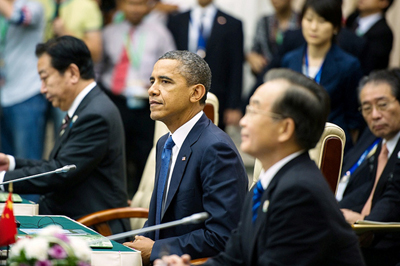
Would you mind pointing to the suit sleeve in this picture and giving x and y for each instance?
(85, 147)
(224, 186)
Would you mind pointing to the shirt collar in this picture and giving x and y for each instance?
(181, 133)
(365, 23)
(208, 11)
(267, 176)
(79, 98)
(391, 144)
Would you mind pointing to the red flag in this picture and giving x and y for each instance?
(8, 228)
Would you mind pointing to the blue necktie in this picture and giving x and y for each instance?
(165, 160)
(202, 41)
(258, 191)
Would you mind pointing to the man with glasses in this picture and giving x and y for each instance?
(370, 188)
(290, 217)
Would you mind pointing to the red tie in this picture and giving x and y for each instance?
(121, 71)
(382, 160)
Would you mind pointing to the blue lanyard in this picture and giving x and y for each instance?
(318, 76)
(363, 157)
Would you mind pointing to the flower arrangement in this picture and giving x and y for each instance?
(50, 247)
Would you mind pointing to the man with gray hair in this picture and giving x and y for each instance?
(198, 168)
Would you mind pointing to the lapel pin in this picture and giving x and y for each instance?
(184, 158)
(221, 20)
(265, 206)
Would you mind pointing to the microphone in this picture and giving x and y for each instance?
(57, 171)
(192, 219)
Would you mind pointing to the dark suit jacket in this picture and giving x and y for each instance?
(224, 55)
(379, 42)
(208, 176)
(340, 75)
(362, 180)
(298, 223)
(94, 142)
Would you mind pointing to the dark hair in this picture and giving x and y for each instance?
(306, 102)
(391, 77)
(193, 68)
(67, 50)
(330, 10)
(386, 8)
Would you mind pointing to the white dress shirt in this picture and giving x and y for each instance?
(197, 16)
(267, 176)
(365, 23)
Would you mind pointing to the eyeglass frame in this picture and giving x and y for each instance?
(250, 110)
(380, 107)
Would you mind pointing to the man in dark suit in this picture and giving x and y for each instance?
(91, 138)
(206, 173)
(373, 186)
(290, 217)
(218, 38)
(369, 22)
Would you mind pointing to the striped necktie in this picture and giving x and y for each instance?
(257, 194)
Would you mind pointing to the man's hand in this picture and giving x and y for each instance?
(4, 162)
(173, 260)
(351, 216)
(143, 244)
(256, 61)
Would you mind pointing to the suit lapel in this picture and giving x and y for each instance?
(217, 29)
(387, 173)
(183, 159)
(63, 138)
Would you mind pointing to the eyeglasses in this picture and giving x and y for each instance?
(381, 106)
(252, 111)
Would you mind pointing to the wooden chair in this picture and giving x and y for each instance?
(327, 154)
(99, 219)
(141, 200)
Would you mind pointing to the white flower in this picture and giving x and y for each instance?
(19, 246)
(81, 249)
(37, 248)
(51, 230)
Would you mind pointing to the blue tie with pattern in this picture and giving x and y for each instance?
(257, 194)
(165, 160)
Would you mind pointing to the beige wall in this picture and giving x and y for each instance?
(393, 19)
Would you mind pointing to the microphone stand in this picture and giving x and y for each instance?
(192, 219)
(57, 171)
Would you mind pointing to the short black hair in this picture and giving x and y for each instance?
(330, 10)
(67, 50)
(193, 68)
(391, 77)
(306, 102)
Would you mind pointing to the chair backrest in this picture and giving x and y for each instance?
(143, 195)
(327, 154)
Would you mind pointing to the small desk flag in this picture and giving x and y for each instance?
(8, 228)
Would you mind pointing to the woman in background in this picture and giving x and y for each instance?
(322, 60)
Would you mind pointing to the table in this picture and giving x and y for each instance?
(26, 207)
(119, 255)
